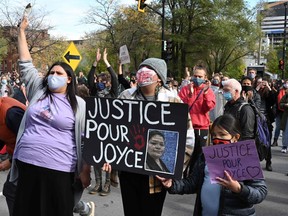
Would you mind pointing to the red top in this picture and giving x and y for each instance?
(200, 109)
(279, 96)
(5, 133)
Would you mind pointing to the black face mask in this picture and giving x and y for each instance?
(215, 82)
(247, 88)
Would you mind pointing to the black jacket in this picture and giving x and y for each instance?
(246, 117)
(256, 99)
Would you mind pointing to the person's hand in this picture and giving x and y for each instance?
(259, 86)
(207, 86)
(105, 54)
(5, 165)
(98, 55)
(24, 23)
(245, 96)
(250, 95)
(107, 167)
(266, 84)
(191, 88)
(133, 84)
(120, 67)
(187, 72)
(229, 183)
(167, 183)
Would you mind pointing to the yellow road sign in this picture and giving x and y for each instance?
(72, 56)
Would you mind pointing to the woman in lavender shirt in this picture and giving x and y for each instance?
(47, 162)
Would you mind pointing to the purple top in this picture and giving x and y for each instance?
(49, 140)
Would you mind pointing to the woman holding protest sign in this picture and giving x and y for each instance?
(144, 195)
(229, 196)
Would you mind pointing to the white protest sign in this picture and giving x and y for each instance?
(124, 55)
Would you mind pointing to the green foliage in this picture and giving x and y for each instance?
(3, 47)
(273, 61)
(216, 33)
(138, 31)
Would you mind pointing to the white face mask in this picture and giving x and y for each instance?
(55, 82)
(4, 82)
(145, 76)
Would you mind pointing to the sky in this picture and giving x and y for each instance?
(66, 15)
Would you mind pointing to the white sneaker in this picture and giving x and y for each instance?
(284, 150)
(91, 206)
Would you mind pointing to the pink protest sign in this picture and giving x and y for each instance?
(239, 159)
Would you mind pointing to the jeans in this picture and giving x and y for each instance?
(285, 136)
(98, 176)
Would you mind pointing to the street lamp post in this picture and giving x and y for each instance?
(163, 27)
(284, 40)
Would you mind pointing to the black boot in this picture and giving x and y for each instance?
(275, 143)
(268, 166)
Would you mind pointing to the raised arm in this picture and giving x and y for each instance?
(114, 80)
(23, 50)
(91, 83)
(121, 78)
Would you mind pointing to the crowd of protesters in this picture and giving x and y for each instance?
(57, 135)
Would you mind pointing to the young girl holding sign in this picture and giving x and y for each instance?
(229, 196)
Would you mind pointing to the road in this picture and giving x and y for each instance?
(276, 203)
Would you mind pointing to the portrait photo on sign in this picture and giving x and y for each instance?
(161, 151)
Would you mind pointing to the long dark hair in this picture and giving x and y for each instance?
(71, 87)
(228, 123)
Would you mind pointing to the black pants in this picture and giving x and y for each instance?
(201, 136)
(269, 155)
(136, 198)
(43, 192)
(9, 191)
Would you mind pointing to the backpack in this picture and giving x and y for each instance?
(261, 131)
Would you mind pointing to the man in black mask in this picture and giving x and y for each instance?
(249, 93)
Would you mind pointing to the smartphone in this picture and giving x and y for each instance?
(27, 10)
(26, 13)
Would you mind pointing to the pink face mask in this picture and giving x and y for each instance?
(145, 76)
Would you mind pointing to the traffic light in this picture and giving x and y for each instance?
(164, 45)
(141, 5)
(281, 64)
(169, 49)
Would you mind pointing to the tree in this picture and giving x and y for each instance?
(273, 61)
(188, 24)
(3, 47)
(39, 41)
(125, 26)
(215, 32)
(233, 35)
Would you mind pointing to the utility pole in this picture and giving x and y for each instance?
(163, 28)
(284, 40)
(143, 4)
